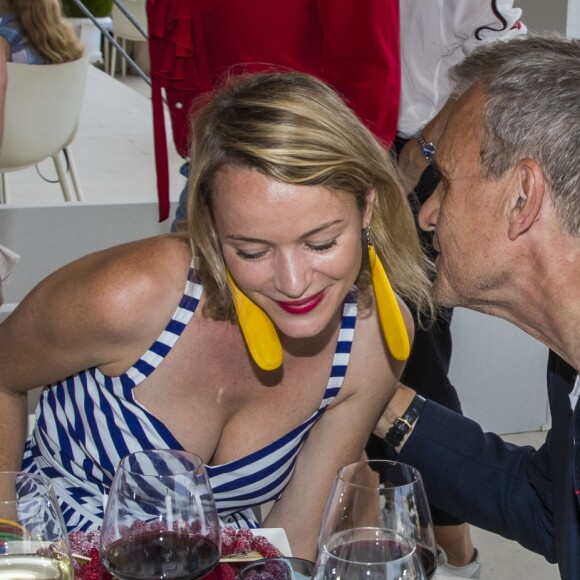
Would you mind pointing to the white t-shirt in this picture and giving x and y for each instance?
(435, 35)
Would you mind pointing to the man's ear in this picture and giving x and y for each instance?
(526, 202)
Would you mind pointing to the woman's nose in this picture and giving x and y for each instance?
(293, 276)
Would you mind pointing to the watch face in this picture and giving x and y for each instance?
(428, 151)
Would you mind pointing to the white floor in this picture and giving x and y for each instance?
(114, 155)
(113, 150)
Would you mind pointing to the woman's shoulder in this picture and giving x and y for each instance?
(122, 282)
(370, 353)
(141, 258)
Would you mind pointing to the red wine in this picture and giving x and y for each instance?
(378, 551)
(162, 554)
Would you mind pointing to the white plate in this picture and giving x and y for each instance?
(277, 537)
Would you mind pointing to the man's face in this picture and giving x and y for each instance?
(468, 214)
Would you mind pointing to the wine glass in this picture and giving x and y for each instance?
(33, 538)
(369, 554)
(161, 520)
(385, 495)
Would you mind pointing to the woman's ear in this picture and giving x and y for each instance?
(368, 210)
(527, 200)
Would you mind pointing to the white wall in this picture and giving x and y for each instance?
(47, 237)
(573, 19)
(499, 373)
(542, 15)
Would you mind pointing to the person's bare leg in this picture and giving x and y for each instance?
(457, 543)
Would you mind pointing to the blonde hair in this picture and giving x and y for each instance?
(47, 30)
(295, 129)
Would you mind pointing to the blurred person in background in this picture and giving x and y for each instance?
(35, 32)
(352, 45)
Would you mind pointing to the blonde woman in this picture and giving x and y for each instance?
(34, 32)
(254, 341)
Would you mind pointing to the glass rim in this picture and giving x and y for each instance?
(341, 473)
(196, 461)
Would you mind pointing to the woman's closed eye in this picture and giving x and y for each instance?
(322, 247)
(250, 255)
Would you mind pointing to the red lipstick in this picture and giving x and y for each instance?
(302, 306)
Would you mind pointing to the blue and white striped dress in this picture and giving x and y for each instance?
(86, 423)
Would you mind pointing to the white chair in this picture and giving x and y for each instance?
(42, 110)
(124, 29)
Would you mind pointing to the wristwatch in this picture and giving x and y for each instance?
(427, 147)
(404, 423)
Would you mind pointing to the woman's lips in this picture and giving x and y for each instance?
(302, 306)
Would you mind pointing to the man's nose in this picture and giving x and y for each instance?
(429, 212)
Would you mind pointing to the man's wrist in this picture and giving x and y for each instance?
(395, 414)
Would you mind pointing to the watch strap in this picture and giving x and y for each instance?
(402, 425)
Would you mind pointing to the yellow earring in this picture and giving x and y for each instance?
(257, 329)
(390, 316)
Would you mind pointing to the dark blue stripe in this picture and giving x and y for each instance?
(338, 371)
(160, 349)
(94, 426)
(343, 346)
(189, 303)
(175, 327)
(79, 423)
(348, 322)
(144, 367)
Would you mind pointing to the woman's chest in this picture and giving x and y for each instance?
(218, 404)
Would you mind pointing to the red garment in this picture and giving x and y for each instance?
(351, 44)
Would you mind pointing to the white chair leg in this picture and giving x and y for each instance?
(123, 61)
(3, 192)
(106, 53)
(73, 174)
(113, 60)
(62, 176)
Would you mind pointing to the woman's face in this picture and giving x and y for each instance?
(295, 250)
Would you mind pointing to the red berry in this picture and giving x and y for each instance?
(267, 549)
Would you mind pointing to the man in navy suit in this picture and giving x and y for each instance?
(506, 223)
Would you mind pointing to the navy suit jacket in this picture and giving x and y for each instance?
(531, 496)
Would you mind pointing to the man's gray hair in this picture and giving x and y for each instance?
(531, 88)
